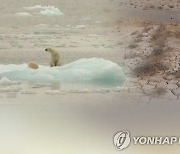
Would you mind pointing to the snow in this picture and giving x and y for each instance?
(86, 71)
(46, 10)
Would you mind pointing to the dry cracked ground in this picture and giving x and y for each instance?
(152, 61)
(153, 4)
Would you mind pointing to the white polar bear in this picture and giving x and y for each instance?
(55, 57)
(33, 65)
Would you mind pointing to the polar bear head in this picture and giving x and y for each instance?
(49, 49)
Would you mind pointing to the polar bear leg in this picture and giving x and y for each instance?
(58, 63)
(52, 64)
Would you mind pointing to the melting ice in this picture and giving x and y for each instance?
(87, 71)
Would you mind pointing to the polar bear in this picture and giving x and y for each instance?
(33, 65)
(55, 57)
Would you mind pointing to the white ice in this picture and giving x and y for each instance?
(46, 10)
(86, 71)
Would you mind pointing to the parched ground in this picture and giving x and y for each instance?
(153, 4)
(152, 61)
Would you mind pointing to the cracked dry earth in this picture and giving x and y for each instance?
(153, 4)
(154, 69)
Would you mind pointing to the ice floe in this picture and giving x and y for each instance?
(86, 71)
(46, 10)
